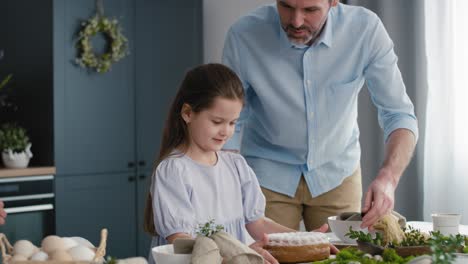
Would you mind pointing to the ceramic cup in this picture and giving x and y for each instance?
(447, 224)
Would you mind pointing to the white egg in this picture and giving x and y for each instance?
(121, 261)
(81, 253)
(68, 243)
(19, 257)
(40, 256)
(24, 247)
(83, 242)
(61, 255)
(52, 243)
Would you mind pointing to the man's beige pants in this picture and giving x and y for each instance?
(314, 210)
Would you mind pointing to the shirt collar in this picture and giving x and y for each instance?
(326, 37)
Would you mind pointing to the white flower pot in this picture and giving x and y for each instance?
(17, 160)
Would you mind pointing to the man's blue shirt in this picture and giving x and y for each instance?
(301, 109)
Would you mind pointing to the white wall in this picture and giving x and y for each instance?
(218, 16)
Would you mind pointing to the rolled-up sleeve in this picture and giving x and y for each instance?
(386, 86)
(173, 212)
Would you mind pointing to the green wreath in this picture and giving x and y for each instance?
(117, 47)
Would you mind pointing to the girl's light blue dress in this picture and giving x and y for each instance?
(186, 193)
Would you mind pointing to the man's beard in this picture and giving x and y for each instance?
(300, 41)
(308, 39)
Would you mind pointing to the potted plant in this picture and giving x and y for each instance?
(15, 146)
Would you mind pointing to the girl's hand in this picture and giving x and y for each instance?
(258, 247)
(323, 229)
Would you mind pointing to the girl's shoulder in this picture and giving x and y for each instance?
(233, 158)
(172, 164)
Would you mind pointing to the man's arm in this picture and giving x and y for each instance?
(380, 196)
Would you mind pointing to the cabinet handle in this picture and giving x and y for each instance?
(131, 164)
(142, 177)
(131, 178)
(142, 163)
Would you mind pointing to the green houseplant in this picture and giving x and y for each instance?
(15, 146)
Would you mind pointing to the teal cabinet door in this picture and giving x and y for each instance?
(86, 204)
(94, 112)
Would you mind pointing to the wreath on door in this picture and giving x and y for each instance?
(117, 45)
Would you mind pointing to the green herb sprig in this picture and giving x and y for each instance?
(413, 237)
(365, 237)
(110, 260)
(444, 247)
(209, 228)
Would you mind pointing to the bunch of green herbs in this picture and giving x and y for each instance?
(444, 247)
(413, 237)
(365, 237)
(352, 255)
(209, 228)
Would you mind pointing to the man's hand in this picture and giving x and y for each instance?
(258, 247)
(380, 198)
(3, 214)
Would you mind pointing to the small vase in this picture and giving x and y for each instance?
(17, 160)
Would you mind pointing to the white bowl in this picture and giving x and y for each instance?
(341, 227)
(165, 255)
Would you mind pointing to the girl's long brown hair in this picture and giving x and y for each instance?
(200, 87)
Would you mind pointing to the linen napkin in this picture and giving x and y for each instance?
(234, 251)
(205, 251)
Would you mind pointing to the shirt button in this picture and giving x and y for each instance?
(311, 114)
(308, 82)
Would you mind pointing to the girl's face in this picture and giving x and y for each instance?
(211, 128)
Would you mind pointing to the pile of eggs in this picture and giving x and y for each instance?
(54, 248)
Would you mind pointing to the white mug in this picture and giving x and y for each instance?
(446, 224)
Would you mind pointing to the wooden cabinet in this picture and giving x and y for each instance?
(107, 127)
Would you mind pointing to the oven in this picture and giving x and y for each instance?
(29, 202)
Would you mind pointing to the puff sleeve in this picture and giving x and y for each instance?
(172, 209)
(252, 197)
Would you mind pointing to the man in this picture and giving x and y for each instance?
(303, 63)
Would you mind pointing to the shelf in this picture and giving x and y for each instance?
(30, 171)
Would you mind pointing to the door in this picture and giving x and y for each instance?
(94, 113)
(87, 203)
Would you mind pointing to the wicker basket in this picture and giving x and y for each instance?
(7, 252)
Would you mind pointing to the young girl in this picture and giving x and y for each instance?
(194, 181)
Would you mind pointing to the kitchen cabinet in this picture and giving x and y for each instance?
(107, 127)
(87, 203)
